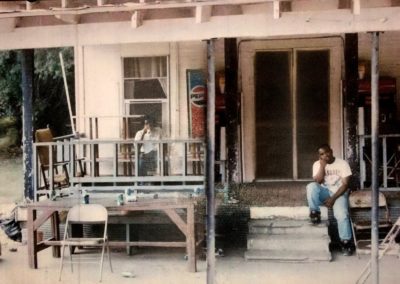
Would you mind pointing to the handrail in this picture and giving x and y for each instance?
(389, 169)
(180, 164)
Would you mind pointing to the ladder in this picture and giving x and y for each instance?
(388, 242)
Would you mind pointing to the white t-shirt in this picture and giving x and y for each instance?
(333, 173)
(153, 134)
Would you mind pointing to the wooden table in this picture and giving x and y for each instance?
(40, 212)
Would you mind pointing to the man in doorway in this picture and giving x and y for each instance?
(148, 151)
(330, 188)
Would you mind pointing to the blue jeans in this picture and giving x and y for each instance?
(317, 194)
(147, 162)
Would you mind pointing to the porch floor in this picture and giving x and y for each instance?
(272, 194)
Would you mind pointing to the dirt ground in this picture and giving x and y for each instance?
(162, 266)
(11, 179)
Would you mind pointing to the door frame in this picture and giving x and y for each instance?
(247, 51)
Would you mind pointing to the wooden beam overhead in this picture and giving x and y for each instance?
(137, 19)
(101, 2)
(70, 19)
(356, 7)
(65, 3)
(7, 25)
(277, 9)
(203, 14)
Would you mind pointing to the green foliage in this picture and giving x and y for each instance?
(49, 100)
(10, 90)
(50, 103)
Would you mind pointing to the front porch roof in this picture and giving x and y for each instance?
(68, 23)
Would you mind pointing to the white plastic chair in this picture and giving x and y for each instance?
(85, 214)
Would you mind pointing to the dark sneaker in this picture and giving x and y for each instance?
(315, 217)
(347, 248)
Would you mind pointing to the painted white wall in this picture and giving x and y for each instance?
(102, 87)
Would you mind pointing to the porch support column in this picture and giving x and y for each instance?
(351, 105)
(375, 157)
(210, 163)
(27, 58)
(232, 108)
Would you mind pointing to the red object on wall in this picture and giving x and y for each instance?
(386, 89)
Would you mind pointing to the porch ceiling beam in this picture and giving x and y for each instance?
(356, 7)
(137, 19)
(127, 7)
(277, 9)
(244, 25)
(70, 19)
(203, 14)
(8, 25)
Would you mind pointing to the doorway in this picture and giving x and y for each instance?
(292, 94)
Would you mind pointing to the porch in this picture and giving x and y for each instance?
(109, 166)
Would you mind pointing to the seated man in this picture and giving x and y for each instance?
(331, 178)
(148, 151)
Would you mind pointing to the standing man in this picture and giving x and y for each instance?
(148, 151)
(330, 187)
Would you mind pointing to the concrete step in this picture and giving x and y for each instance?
(288, 256)
(289, 242)
(294, 213)
(282, 227)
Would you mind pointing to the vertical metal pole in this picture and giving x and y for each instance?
(210, 163)
(375, 157)
(27, 67)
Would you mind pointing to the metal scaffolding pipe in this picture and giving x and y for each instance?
(375, 157)
(210, 162)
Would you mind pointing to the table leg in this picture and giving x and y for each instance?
(55, 228)
(32, 239)
(190, 239)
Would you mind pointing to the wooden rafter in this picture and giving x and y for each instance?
(356, 7)
(203, 14)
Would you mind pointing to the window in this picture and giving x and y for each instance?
(146, 91)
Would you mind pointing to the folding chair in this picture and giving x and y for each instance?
(60, 177)
(360, 204)
(85, 214)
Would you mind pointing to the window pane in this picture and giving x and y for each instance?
(145, 67)
(273, 115)
(312, 107)
(141, 110)
(145, 89)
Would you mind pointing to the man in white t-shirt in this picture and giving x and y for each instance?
(148, 150)
(330, 188)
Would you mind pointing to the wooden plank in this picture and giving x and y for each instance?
(276, 9)
(32, 238)
(124, 244)
(178, 221)
(191, 239)
(55, 228)
(203, 14)
(43, 217)
(137, 19)
(356, 7)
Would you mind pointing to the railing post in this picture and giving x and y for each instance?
(384, 161)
